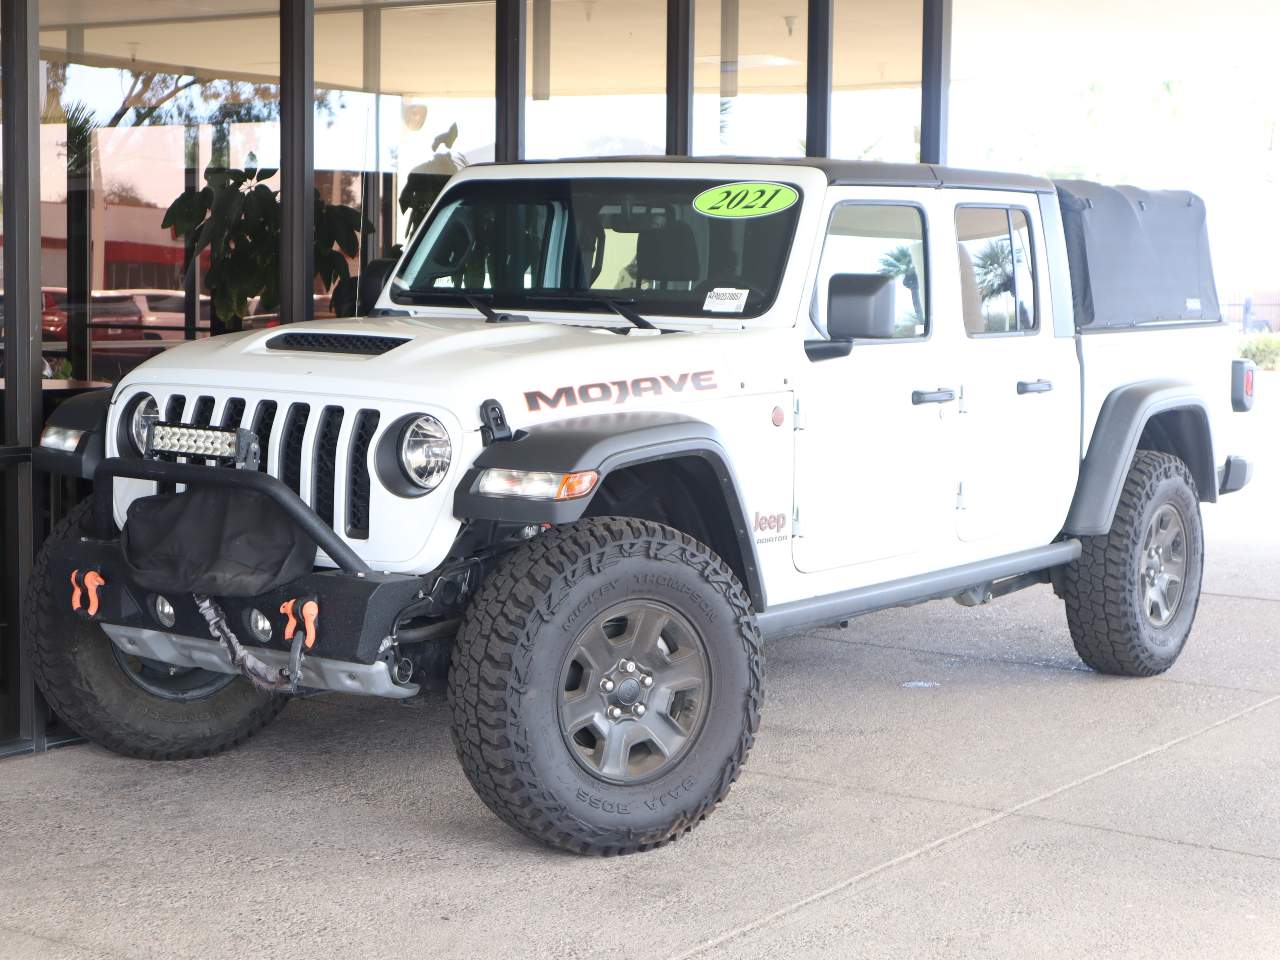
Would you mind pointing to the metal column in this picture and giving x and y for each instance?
(679, 77)
(20, 144)
(935, 81)
(817, 138)
(297, 160)
(509, 80)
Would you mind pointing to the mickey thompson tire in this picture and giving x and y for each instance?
(1132, 595)
(606, 685)
(91, 687)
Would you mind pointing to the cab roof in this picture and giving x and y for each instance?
(850, 172)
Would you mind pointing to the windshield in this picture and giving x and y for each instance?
(666, 247)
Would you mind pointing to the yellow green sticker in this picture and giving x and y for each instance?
(749, 199)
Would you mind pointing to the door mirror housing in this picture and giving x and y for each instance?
(371, 280)
(860, 306)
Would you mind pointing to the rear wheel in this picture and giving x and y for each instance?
(1132, 595)
(606, 685)
(137, 707)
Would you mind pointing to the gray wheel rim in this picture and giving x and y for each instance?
(169, 682)
(1164, 565)
(634, 692)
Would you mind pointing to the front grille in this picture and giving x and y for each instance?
(324, 463)
(313, 460)
(360, 344)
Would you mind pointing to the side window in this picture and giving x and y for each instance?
(997, 276)
(883, 239)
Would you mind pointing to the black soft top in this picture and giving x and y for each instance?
(1136, 256)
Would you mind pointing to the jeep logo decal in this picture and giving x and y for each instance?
(620, 391)
(770, 522)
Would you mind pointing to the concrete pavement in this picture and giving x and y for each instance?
(931, 782)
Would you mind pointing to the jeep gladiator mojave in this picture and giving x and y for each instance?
(610, 424)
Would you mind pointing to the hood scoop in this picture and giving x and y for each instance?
(359, 344)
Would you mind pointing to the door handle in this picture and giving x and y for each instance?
(941, 395)
(1034, 386)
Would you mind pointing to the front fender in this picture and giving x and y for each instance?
(605, 443)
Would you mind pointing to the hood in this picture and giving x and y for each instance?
(537, 370)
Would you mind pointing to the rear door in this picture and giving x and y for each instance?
(1018, 415)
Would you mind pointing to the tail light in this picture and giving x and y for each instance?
(1243, 374)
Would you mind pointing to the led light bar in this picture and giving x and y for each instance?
(231, 446)
(536, 485)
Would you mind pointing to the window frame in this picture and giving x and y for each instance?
(1008, 208)
(928, 265)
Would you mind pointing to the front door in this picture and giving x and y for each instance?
(875, 476)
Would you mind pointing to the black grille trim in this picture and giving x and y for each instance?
(295, 428)
(358, 482)
(324, 465)
(203, 412)
(233, 413)
(173, 408)
(359, 344)
(264, 418)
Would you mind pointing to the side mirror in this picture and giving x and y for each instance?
(860, 306)
(372, 279)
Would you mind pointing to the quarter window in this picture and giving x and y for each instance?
(997, 279)
(884, 239)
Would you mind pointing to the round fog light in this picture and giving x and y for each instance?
(259, 626)
(164, 611)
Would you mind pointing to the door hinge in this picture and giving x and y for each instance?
(961, 406)
(795, 523)
(797, 419)
(960, 496)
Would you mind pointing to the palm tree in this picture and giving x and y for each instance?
(993, 268)
(898, 263)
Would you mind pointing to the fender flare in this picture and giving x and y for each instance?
(86, 412)
(606, 443)
(1123, 416)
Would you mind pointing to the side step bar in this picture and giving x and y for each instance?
(318, 673)
(832, 608)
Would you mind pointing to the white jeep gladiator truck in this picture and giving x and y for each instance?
(609, 425)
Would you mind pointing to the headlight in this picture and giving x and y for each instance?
(142, 414)
(65, 439)
(425, 451)
(536, 485)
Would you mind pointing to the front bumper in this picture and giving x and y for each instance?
(358, 608)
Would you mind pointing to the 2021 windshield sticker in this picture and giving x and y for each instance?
(748, 199)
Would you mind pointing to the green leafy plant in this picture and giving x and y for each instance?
(1263, 349)
(237, 216)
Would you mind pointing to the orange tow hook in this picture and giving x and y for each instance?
(89, 584)
(291, 624)
(310, 616)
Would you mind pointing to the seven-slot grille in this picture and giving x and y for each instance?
(323, 452)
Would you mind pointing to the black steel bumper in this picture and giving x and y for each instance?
(358, 607)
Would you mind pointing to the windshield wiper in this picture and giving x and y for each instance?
(486, 308)
(620, 307)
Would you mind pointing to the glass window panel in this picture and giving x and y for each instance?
(875, 95)
(1182, 100)
(404, 99)
(883, 239)
(596, 78)
(138, 106)
(997, 285)
(749, 79)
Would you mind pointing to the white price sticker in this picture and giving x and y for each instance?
(726, 300)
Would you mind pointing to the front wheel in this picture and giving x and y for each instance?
(606, 686)
(139, 708)
(1132, 595)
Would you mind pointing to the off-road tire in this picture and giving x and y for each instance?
(1103, 588)
(74, 666)
(505, 682)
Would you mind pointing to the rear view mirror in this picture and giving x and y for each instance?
(860, 306)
